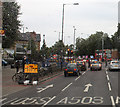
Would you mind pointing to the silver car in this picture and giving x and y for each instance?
(114, 65)
(96, 65)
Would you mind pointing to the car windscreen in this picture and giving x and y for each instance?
(115, 63)
(95, 62)
(71, 66)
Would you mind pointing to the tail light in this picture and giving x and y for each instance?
(83, 63)
(75, 69)
(65, 69)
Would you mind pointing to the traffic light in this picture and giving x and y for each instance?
(71, 52)
(68, 51)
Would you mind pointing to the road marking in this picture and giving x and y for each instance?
(9, 101)
(108, 78)
(42, 89)
(113, 102)
(66, 86)
(109, 86)
(49, 101)
(83, 73)
(77, 78)
(2, 100)
(107, 72)
(87, 87)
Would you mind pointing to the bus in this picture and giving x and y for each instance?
(107, 54)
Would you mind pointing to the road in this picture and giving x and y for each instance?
(93, 88)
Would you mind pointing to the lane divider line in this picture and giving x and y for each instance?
(49, 101)
(9, 101)
(77, 78)
(109, 86)
(112, 100)
(83, 73)
(108, 78)
(107, 72)
(66, 87)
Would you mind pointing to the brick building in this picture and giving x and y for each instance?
(23, 41)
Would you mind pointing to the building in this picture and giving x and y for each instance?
(24, 39)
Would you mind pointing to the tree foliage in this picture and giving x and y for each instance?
(11, 23)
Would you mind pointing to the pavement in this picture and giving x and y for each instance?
(91, 88)
(9, 87)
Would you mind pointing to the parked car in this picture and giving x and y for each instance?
(71, 69)
(4, 63)
(81, 65)
(13, 64)
(114, 65)
(95, 65)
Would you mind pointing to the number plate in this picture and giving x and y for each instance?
(70, 72)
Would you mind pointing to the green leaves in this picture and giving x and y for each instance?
(11, 23)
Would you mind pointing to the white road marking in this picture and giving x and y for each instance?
(77, 78)
(83, 73)
(107, 72)
(108, 78)
(9, 101)
(49, 101)
(112, 100)
(109, 86)
(87, 87)
(66, 86)
(2, 100)
(42, 89)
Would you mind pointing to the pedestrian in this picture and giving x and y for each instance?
(24, 61)
(106, 63)
(17, 65)
(88, 63)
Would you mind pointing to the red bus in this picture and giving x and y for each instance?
(106, 54)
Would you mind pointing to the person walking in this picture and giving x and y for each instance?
(24, 61)
(17, 65)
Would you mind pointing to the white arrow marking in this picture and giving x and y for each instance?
(87, 87)
(42, 89)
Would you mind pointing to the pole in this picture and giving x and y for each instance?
(102, 46)
(74, 36)
(0, 49)
(62, 21)
(62, 36)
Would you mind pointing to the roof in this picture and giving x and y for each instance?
(28, 35)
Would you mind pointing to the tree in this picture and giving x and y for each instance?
(11, 23)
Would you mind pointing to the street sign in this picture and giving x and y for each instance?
(2, 32)
(31, 68)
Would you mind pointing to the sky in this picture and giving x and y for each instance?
(45, 17)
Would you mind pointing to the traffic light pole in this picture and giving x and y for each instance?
(0, 49)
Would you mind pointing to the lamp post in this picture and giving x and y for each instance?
(74, 36)
(63, 28)
(102, 46)
(58, 36)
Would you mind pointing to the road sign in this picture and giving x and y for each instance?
(31, 68)
(2, 32)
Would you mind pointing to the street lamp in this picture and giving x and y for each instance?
(74, 36)
(63, 27)
(58, 36)
(63, 16)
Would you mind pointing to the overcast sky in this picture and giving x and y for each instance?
(45, 17)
